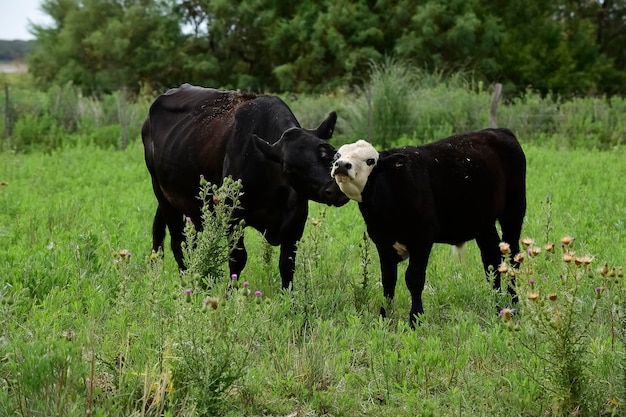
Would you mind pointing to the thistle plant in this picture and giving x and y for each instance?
(362, 288)
(207, 247)
(561, 296)
(211, 348)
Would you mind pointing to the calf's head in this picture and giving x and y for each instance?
(352, 166)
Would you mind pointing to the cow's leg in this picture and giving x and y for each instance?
(287, 263)
(389, 260)
(238, 257)
(158, 230)
(415, 278)
(176, 226)
(292, 230)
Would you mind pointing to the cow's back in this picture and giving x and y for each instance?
(475, 178)
(458, 185)
(185, 136)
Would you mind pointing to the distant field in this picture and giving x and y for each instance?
(13, 67)
(85, 328)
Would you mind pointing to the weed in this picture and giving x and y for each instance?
(557, 322)
(207, 249)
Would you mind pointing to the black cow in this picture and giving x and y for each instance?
(194, 131)
(449, 191)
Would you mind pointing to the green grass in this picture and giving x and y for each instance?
(87, 331)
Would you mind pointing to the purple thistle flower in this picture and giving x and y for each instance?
(531, 282)
(258, 293)
(188, 219)
(245, 284)
(206, 301)
(233, 276)
(598, 291)
(187, 291)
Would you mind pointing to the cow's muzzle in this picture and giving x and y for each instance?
(332, 195)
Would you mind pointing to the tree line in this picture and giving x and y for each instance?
(14, 50)
(562, 47)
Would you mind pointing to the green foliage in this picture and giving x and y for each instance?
(62, 117)
(207, 250)
(563, 48)
(102, 46)
(402, 102)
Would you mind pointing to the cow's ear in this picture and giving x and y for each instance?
(271, 152)
(326, 129)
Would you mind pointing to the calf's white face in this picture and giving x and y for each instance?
(352, 166)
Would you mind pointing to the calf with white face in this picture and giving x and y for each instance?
(353, 164)
(449, 191)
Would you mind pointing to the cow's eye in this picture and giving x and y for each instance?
(370, 161)
(326, 152)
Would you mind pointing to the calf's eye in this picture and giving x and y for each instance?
(370, 161)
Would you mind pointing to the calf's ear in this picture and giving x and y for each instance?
(271, 152)
(326, 129)
(396, 160)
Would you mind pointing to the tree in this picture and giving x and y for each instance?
(552, 47)
(103, 45)
(451, 35)
(563, 47)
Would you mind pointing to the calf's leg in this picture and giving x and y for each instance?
(489, 244)
(415, 278)
(389, 260)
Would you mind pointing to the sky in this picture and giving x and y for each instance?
(15, 16)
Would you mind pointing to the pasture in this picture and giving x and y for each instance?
(89, 326)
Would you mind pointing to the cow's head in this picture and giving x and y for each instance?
(353, 164)
(306, 159)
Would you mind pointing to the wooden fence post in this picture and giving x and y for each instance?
(493, 114)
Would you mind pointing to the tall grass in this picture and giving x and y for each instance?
(398, 104)
(401, 104)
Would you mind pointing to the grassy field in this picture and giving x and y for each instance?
(88, 326)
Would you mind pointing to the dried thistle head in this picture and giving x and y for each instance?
(568, 256)
(505, 248)
(583, 260)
